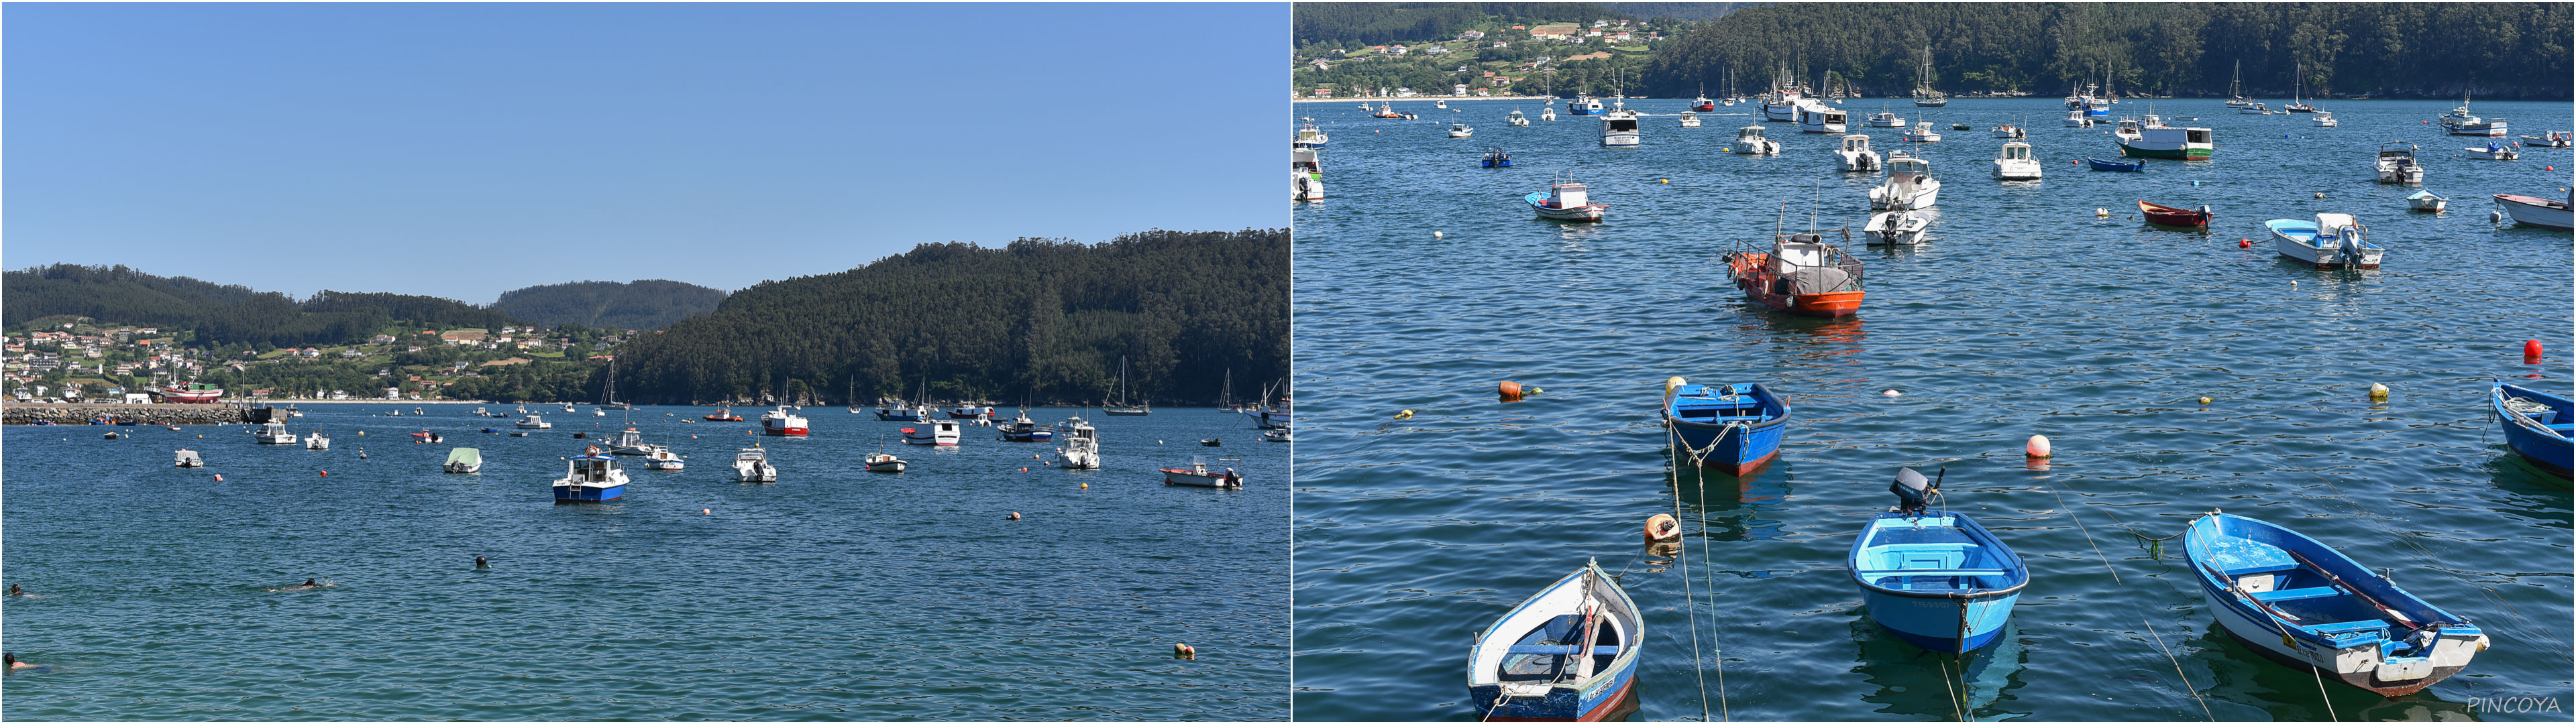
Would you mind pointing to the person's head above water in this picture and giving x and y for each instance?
(309, 582)
(14, 590)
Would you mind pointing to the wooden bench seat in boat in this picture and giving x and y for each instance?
(1544, 650)
(2297, 593)
(1934, 572)
(2330, 629)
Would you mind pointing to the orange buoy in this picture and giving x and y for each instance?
(2531, 352)
(2037, 447)
(326, 473)
(1508, 390)
(2245, 243)
(1661, 527)
(1015, 515)
(219, 477)
(1086, 486)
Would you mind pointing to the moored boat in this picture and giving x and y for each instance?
(2426, 201)
(2128, 166)
(1619, 126)
(2494, 151)
(187, 458)
(664, 459)
(1516, 118)
(274, 433)
(885, 463)
(1922, 133)
(1461, 130)
(1903, 228)
(463, 460)
(1690, 119)
(751, 465)
(533, 422)
(1801, 275)
(1749, 141)
(2305, 605)
(2014, 163)
(2332, 240)
(1566, 201)
(941, 432)
(968, 411)
(316, 441)
(1855, 154)
(2535, 211)
(1122, 406)
(1568, 653)
(2162, 215)
(723, 415)
(2396, 164)
(1081, 449)
(1821, 118)
(2323, 119)
(2537, 425)
(1308, 136)
(2555, 139)
(1497, 158)
(782, 423)
(1732, 428)
(1909, 185)
(1200, 474)
(1935, 578)
(591, 478)
(2160, 141)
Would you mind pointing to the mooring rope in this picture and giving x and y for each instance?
(1690, 604)
(2186, 678)
(1708, 567)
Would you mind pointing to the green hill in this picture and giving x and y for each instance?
(643, 304)
(223, 314)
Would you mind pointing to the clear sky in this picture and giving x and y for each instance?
(466, 149)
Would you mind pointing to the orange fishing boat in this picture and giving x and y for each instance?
(723, 415)
(1801, 275)
(2163, 215)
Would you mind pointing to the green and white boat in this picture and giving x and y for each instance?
(2190, 144)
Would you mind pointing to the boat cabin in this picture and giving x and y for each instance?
(1304, 161)
(1618, 123)
(1856, 143)
(2340, 227)
(1749, 134)
(2397, 150)
(2189, 137)
(592, 468)
(1566, 195)
(2015, 151)
(1912, 168)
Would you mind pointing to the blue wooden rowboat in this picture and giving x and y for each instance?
(1935, 578)
(2131, 166)
(1735, 428)
(2305, 605)
(2537, 425)
(1497, 158)
(1566, 654)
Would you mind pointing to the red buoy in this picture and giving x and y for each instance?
(2245, 243)
(2531, 352)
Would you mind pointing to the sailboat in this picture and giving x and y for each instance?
(854, 395)
(2236, 88)
(1924, 95)
(912, 411)
(1121, 407)
(611, 391)
(2298, 83)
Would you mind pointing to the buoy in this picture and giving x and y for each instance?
(326, 473)
(2496, 216)
(1668, 180)
(2245, 243)
(1891, 392)
(1183, 651)
(2530, 354)
(1661, 527)
(2321, 194)
(2294, 282)
(2195, 183)
(706, 511)
(2101, 213)
(1024, 468)
(1435, 234)
(361, 433)
(2038, 446)
(219, 477)
(2378, 391)
(2204, 399)
(480, 563)
(1015, 515)
(1086, 486)
(1673, 383)
(1509, 390)
(1404, 415)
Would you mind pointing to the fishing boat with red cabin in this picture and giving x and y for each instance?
(193, 393)
(1801, 275)
(782, 423)
(2162, 215)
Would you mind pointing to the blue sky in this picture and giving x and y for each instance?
(465, 149)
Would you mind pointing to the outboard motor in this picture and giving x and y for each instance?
(1912, 490)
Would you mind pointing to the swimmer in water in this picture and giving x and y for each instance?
(14, 590)
(309, 584)
(480, 563)
(14, 663)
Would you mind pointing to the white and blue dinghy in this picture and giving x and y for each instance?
(2305, 605)
(1566, 654)
(1935, 578)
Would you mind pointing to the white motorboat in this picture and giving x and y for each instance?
(567, 408)
(2322, 119)
(2535, 211)
(631, 442)
(591, 478)
(1619, 125)
(2077, 119)
(1909, 185)
(189, 459)
(316, 441)
(2127, 131)
(884, 463)
(1749, 141)
(1565, 201)
(782, 423)
(2554, 139)
(292, 412)
(1820, 118)
(2494, 151)
(1081, 449)
(2426, 201)
(2007, 130)
(532, 422)
(2014, 163)
(1441, 104)
(1904, 228)
(598, 412)
(2256, 109)
(664, 459)
(1201, 475)
(1308, 136)
(970, 411)
(1690, 119)
(1460, 130)
(1922, 133)
(2332, 240)
(274, 433)
(1855, 154)
(1517, 119)
(1547, 113)
(2397, 165)
(940, 432)
(1302, 186)
(1885, 119)
(463, 460)
(2460, 123)
(1282, 435)
(751, 465)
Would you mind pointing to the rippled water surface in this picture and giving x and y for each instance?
(831, 594)
(2023, 315)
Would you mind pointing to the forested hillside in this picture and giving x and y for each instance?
(1038, 319)
(2393, 49)
(643, 304)
(1366, 23)
(222, 314)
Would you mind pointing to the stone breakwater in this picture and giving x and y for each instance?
(81, 414)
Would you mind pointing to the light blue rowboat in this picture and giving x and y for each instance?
(1935, 578)
(2305, 605)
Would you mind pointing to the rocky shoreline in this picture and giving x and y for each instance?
(81, 414)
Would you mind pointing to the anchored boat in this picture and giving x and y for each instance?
(885, 463)
(2162, 215)
(1801, 275)
(2537, 425)
(591, 478)
(1909, 185)
(1935, 578)
(189, 459)
(2161, 141)
(1567, 654)
(463, 460)
(2397, 165)
(1749, 141)
(2307, 606)
(1199, 474)
(1619, 126)
(751, 465)
(1735, 428)
(1902, 228)
(1081, 449)
(2129, 166)
(2332, 240)
(2014, 163)
(782, 423)
(941, 432)
(2426, 201)
(1855, 154)
(1565, 201)
(2535, 211)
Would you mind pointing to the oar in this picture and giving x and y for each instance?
(2337, 580)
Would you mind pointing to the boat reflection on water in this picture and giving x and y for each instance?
(1916, 683)
(1745, 508)
(2245, 677)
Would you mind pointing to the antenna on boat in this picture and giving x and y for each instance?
(1815, 203)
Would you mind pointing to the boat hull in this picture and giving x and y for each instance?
(2250, 571)
(589, 493)
(2186, 154)
(1587, 212)
(1737, 449)
(2542, 438)
(1180, 476)
(2533, 211)
(2170, 216)
(1593, 698)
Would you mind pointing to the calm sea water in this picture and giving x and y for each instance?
(2023, 315)
(831, 594)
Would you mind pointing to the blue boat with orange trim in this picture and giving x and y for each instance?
(1566, 654)
(1735, 428)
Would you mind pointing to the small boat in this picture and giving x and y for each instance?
(274, 433)
(2535, 211)
(782, 423)
(1081, 449)
(1547, 114)
(532, 422)
(2113, 164)
(1959, 127)
(631, 442)
(1461, 130)
(524, 433)
(2305, 605)
(1275, 436)
(1702, 103)
(2397, 165)
(1819, 118)
(1199, 474)
(1619, 126)
(188, 459)
(2127, 131)
(1385, 110)
(1935, 578)
(1211, 442)
(1690, 119)
(751, 465)
(1855, 154)
(2460, 123)
(2323, 119)
(664, 459)
(2014, 163)
(884, 463)
(1923, 133)
(1732, 428)
(1122, 406)
(1909, 185)
(2426, 201)
(1904, 228)
(2162, 215)
(1496, 158)
(722, 415)
(2159, 141)
(2077, 119)
(2495, 151)
(292, 412)
(463, 460)
(2332, 240)
(1583, 105)
(1749, 141)
(965, 411)
(2555, 139)
(2256, 109)
(1517, 119)
(1302, 186)
(426, 436)
(316, 441)
(2537, 425)
(1565, 201)
(2008, 130)
(1885, 119)
(1440, 104)
(1567, 654)
(591, 478)
(1023, 429)
(567, 408)
(941, 432)
(1308, 136)
(1801, 275)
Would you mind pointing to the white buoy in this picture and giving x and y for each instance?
(2495, 216)
(1890, 392)
(2101, 213)
(2378, 391)
(1435, 234)
(2038, 446)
